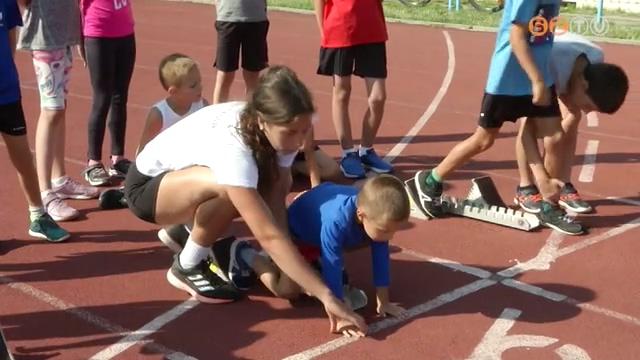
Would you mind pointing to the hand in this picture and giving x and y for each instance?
(541, 94)
(81, 54)
(550, 188)
(347, 329)
(338, 312)
(390, 309)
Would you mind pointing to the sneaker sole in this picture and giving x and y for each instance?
(44, 237)
(418, 199)
(554, 227)
(68, 218)
(98, 183)
(580, 210)
(351, 176)
(527, 209)
(168, 241)
(378, 170)
(175, 282)
(77, 197)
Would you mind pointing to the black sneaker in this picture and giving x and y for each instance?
(174, 236)
(201, 283)
(553, 217)
(96, 175)
(227, 255)
(571, 200)
(112, 199)
(120, 169)
(529, 199)
(430, 197)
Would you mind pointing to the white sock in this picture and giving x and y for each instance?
(44, 194)
(35, 212)
(59, 181)
(192, 254)
(363, 150)
(346, 152)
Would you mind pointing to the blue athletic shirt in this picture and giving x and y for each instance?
(9, 83)
(325, 216)
(506, 76)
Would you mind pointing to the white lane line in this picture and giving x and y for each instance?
(136, 337)
(422, 121)
(592, 119)
(547, 255)
(413, 312)
(589, 164)
(86, 316)
(624, 200)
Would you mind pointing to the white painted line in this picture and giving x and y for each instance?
(589, 164)
(136, 337)
(606, 312)
(601, 237)
(592, 119)
(496, 341)
(453, 265)
(624, 200)
(86, 316)
(413, 312)
(422, 121)
(572, 352)
(542, 261)
(534, 290)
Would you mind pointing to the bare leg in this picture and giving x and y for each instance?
(222, 86)
(50, 126)
(340, 110)
(377, 96)
(479, 142)
(22, 160)
(250, 81)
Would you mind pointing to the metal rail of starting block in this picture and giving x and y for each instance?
(483, 202)
(5, 354)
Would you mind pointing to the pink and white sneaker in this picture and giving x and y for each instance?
(72, 189)
(57, 208)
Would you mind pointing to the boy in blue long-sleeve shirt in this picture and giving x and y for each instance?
(330, 218)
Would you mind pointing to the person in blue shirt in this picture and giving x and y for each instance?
(519, 85)
(326, 220)
(14, 129)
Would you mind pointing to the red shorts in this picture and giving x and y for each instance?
(309, 252)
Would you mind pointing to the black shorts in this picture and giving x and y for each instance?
(248, 37)
(496, 109)
(12, 119)
(141, 192)
(367, 61)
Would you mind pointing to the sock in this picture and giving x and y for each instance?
(248, 254)
(35, 212)
(59, 181)
(192, 254)
(44, 194)
(346, 152)
(363, 150)
(93, 162)
(433, 179)
(116, 158)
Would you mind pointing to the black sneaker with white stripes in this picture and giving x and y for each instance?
(201, 283)
(227, 254)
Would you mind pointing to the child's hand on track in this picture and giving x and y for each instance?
(390, 309)
(347, 329)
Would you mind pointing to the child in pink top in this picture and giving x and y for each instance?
(110, 52)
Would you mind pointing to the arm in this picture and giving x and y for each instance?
(310, 158)
(381, 279)
(519, 44)
(152, 127)
(332, 263)
(278, 245)
(12, 42)
(318, 5)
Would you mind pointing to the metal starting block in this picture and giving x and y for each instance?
(483, 202)
(5, 354)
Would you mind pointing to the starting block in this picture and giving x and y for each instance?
(5, 354)
(483, 202)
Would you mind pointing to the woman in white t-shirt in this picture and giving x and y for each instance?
(227, 160)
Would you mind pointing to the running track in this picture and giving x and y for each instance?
(473, 290)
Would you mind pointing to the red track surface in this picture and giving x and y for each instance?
(73, 300)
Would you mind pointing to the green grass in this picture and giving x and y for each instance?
(622, 25)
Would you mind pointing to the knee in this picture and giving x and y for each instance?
(484, 142)
(342, 92)
(377, 100)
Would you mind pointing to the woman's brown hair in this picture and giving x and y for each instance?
(278, 99)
